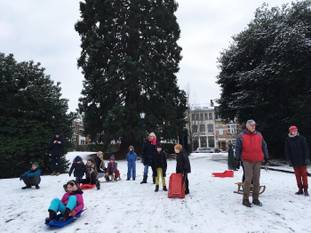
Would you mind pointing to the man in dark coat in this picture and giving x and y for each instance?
(149, 151)
(252, 149)
(297, 152)
(56, 153)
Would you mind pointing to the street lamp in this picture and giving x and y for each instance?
(142, 115)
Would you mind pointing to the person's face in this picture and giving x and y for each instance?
(33, 167)
(159, 149)
(251, 127)
(176, 150)
(72, 187)
(57, 135)
(294, 132)
(89, 163)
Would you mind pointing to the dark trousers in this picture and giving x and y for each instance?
(186, 182)
(32, 181)
(301, 177)
(55, 163)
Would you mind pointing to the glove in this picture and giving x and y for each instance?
(72, 213)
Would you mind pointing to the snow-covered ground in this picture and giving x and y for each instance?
(129, 207)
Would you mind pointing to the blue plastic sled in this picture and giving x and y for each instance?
(57, 223)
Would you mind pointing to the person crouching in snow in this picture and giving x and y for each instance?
(182, 165)
(91, 174)
(131, 163)
(112, 173)
(71, 203)
(297, 152)
(160, 164)
(78, 168)
(32, 176)
(100, 164)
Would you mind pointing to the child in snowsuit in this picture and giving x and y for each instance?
(112, 170)
(71, 203)
(182, 165)
(32, 176)
(160, 163)
(131, 163)
(78, 168)
(91, 174)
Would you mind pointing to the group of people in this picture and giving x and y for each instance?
(251, 150)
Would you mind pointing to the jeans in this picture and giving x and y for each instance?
(131, 170)
(154, 172)
(57, 205)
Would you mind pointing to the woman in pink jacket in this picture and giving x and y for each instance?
(70, 204)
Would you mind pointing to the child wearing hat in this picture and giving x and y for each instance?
(160, 163)
(32, 176)
(112, 173)
(297, 153)
(131, 163)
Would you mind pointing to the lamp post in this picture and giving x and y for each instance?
(142, 116)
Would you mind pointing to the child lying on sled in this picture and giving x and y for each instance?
(70, 204)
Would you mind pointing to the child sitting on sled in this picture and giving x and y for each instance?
(70, 204)
(78, 168)
(112, 173)
(91, 174)
(32, 177)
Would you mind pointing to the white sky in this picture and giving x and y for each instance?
(43, 31)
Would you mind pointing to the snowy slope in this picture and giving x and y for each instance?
(129, 207)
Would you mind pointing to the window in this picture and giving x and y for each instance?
(210, 116)
(193, 117)
(203, 142)
(205, 116)
(194, 128)
(201, 116)
(202, 128)
(210, 128)
(211, 141)
(221, 132)
(196, 117)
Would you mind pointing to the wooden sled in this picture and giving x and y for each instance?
(262, 188)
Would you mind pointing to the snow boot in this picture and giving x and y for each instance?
(144, 181)
(257, 202)
(246, 203)
(52, 216)
(37, 186)
(306, 193)
(66, 214)
(97, 185)
(187, 191)
(154, 179)
(164, 188)
(157, 188)
(27, 187)
(300, 192)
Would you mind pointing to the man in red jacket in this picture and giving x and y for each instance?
(251, 148)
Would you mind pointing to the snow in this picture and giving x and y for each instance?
(129, 207)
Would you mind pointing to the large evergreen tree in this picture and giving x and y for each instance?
(129, 60)
(265, 73)
(31, 111)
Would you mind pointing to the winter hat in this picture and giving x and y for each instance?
(77, 159)
(293, 128)
(112, 157)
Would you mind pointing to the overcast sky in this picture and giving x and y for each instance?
(43, 31)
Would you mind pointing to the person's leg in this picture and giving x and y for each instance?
(56, 206)
(256, 181)
(154, 173)
(298, 178)
(129, 170)
(186, 183)
(145, 174)
(304, 175)
(243, 177)
(27, 182)
(248, 171)
(72, 202)
(134, 170)
(157, 181)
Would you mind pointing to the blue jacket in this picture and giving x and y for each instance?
(32, 173)
(131, 156)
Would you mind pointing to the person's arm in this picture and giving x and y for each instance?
(238, 148)
(65, 198)
(80, 204)
(265, 149)
(34, 174)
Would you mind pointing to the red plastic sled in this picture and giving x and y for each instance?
(227, 173)
(176, 186)
(87, 186)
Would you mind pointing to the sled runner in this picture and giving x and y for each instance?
(58, 223)
(227, 173)
(262, 188)
(176, 186)
(87, 186)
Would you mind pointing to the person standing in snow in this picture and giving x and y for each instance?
(32, 176)
(131, 163)
(297, 153)
(160, 164)
(231, 160)
(149, 151)
(56, 154)
(182, 165)
(252, 149)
